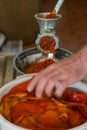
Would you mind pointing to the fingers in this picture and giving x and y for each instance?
(39, 82)
(55, 83)
(46, 84)
(46, 80)
(51, 84)
(40, 87)
(60, 90)
(33, 83)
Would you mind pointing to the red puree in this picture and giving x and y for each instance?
(48, 16)
(39, 66)
(48, 44)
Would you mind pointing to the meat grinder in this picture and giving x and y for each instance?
(47, 29)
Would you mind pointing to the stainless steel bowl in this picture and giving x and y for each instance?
(30, 56)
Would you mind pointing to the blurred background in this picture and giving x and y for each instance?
(17, 21)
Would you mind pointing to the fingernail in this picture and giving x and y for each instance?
(29, 89)
(58, 92)
(57, 85)
(38, 95)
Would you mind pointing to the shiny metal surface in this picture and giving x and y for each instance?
(28, 57)
(47, 25)
(47, 28)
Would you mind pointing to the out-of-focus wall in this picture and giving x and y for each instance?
(17, 19)
(47, 5)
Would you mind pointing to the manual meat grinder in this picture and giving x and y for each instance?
(47, 30)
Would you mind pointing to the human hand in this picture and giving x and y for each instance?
(56, 77)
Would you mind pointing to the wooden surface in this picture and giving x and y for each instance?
(17, 20)
(7, 72)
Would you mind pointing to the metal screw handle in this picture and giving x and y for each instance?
(58, 5)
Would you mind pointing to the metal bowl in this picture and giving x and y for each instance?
(31, 56)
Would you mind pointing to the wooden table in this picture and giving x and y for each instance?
(7, 71)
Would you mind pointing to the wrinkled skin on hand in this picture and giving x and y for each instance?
(64, 73)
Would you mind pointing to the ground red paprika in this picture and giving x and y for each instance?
(48, 44)
(39, 66)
